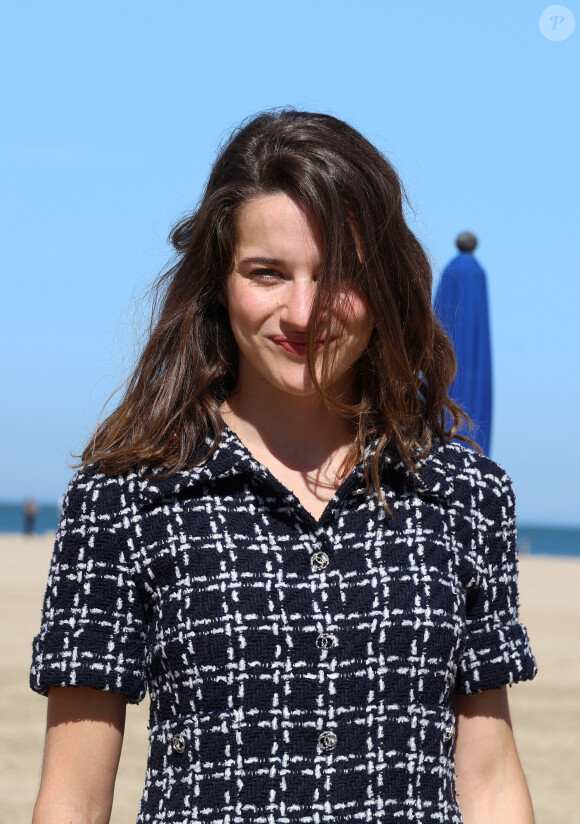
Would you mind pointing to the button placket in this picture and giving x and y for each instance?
(320, 561)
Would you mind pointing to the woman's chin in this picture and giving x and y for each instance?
(304, 390)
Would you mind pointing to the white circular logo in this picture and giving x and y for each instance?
(557, 22)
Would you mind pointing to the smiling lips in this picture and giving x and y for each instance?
(296, 345)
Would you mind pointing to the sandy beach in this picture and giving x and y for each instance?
(545, 712)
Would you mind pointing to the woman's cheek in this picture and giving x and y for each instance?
(351, 308)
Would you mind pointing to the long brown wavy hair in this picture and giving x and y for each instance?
(188, 366)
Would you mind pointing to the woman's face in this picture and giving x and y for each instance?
(269, 296)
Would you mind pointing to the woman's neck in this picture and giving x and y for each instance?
(301, 433)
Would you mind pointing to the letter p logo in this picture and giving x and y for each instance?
(557, 23)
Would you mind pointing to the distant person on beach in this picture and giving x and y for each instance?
(29, 511)
(275, 533)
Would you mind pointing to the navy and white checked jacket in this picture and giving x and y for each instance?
(299, 670)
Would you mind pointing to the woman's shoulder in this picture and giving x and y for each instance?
(464, 470)
(95, 491)
(90, 480)
(93, 495)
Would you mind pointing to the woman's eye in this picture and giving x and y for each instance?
(265, 274)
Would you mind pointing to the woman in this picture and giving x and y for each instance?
(274, 533)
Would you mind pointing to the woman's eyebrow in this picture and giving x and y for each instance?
(260, 261)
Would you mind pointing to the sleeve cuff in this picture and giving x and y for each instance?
(494, 658)
(123, 677)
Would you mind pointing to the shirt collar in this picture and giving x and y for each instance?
(431, 477)
(228, 459)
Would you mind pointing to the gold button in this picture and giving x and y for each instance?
(178, 744)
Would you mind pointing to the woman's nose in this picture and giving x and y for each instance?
(298, 304)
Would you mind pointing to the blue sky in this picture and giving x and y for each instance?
(111, 116)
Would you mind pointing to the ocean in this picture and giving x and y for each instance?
(534, 540)
(12, 518)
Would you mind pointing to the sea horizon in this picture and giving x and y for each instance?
(533, 539)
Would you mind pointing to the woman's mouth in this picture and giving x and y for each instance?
(297, 346)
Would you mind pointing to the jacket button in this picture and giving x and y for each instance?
(327, 740)
(178, 744)
(324, 640)
(448, 734)
(319, 560)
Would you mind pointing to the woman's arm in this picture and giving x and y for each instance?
(81, 755)
(491, 786)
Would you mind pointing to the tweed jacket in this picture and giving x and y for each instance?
(299, 670)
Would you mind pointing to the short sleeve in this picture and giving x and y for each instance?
(92, 630)
(497, 649)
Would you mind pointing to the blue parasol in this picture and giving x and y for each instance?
(461, 307)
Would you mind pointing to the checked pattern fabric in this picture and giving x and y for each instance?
(300, 670)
